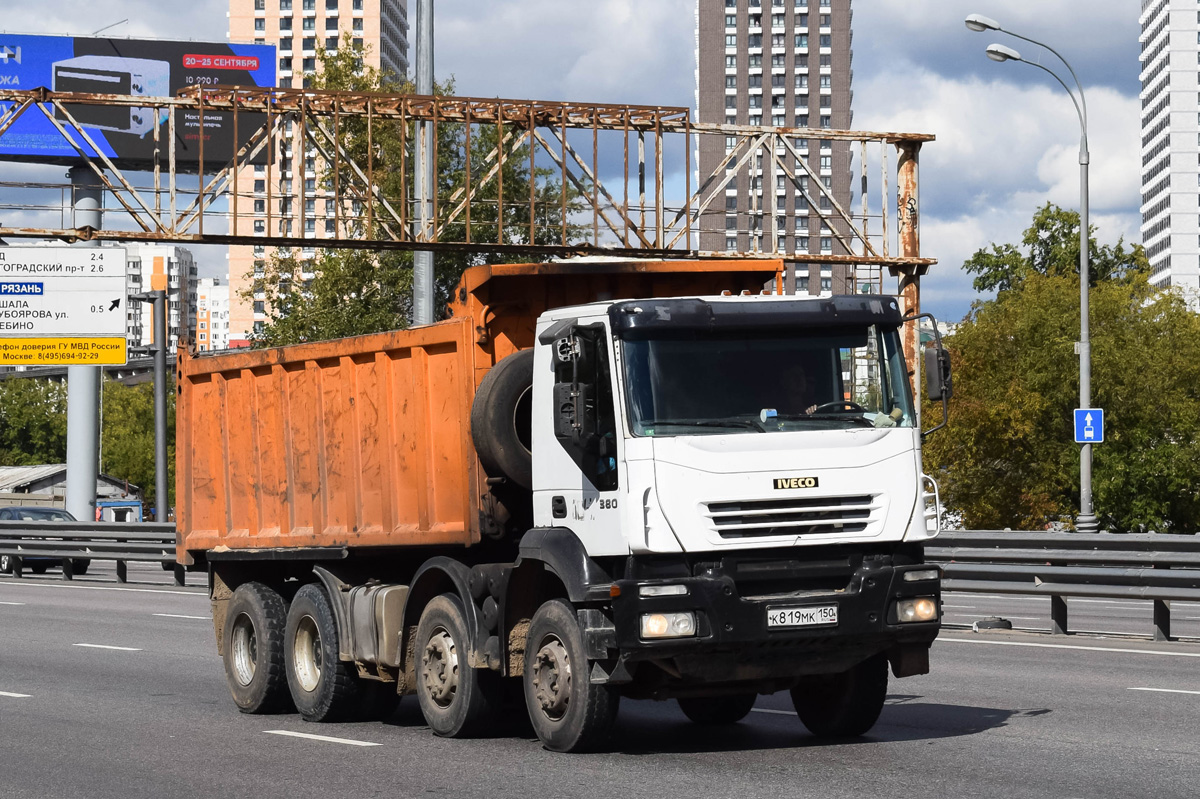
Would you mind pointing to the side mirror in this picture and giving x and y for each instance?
(575, 415)
(938, 383)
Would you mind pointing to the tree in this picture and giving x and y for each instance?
(1052, 244)
(127, 436)
(33, 422)
(1007, 457)
(353, 292)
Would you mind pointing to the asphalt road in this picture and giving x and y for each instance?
(116, 691)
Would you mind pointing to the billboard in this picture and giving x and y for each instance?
(134, 67)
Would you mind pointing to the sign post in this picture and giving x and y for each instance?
(62, 306)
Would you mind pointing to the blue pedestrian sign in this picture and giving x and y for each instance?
(1089, 425)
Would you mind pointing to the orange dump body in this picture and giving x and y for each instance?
(365, 441)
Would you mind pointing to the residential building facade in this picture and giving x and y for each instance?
(783, 63)
(1170, 59)
(159, 267)
(211, 315)
(299, 29)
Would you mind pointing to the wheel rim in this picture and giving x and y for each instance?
(306, 654)
(439, 668)
(5, 563)
(244, 648)
(552, 678)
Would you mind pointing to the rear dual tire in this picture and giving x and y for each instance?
(253, 647)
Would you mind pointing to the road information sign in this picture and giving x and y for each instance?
(62, 306)
(1089, 425)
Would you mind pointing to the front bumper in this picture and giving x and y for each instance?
(733, 642)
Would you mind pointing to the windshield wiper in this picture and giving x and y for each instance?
(839, 417)
(745, 423)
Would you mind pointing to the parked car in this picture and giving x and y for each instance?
(39, 514)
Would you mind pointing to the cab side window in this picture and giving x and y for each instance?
(585, 383)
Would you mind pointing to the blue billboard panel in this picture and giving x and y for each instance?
(128, 67)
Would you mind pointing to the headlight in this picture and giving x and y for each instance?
(662, 590)
(668, 625)
(920, 609)
(921, 574)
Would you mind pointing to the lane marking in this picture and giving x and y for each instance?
(13, 584)
(14, 696)
(1166, 691)
(960, 607)
(181, 616)
(325, 738)
(775, 712)
(12, 603)
(106, 646)
(941, 639)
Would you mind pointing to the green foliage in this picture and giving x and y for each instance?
(127, 436)
(1052, 244)
(353, 292)
(33, 429)
(1008, 457)
(33, 422)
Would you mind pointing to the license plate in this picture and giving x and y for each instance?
(811, 616)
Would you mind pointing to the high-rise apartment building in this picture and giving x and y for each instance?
(159, 267)
(212, 315)
(1170, 59)
(299, 29)
(782, 63)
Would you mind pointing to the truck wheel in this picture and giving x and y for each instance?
(253, 646)
(717, 710)
(843, 705)
(501, 419)
(39, 567)
(80, 565)
(456, 700)
(569, 713)
(322, 686)
(6, 564)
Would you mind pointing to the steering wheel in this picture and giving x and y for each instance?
(854, 406)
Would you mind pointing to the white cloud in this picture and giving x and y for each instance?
(1007, 134)
(1003, 150)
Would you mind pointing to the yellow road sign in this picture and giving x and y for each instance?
(63, 351)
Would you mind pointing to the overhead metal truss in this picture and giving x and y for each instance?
(616, 195)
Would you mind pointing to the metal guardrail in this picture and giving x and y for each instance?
(1158, 568)
(70, 541)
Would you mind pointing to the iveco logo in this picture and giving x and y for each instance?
(795, 482)
(9, 53)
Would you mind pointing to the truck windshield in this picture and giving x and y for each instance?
(722, 381)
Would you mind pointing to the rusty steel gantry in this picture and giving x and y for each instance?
(590, 147)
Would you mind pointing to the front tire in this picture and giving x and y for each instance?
(6, 564)
(253, 646)
(322, 686)
(456, 700)
(569, 713)
(716, 711)
(843, 705)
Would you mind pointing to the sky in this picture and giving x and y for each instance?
(1007, 135)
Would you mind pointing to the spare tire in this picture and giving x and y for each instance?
(502, 419)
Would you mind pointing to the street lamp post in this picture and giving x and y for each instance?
(1086, 522)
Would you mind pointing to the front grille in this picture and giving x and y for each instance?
(793, 517)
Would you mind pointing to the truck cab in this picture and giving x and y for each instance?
(747, 471)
